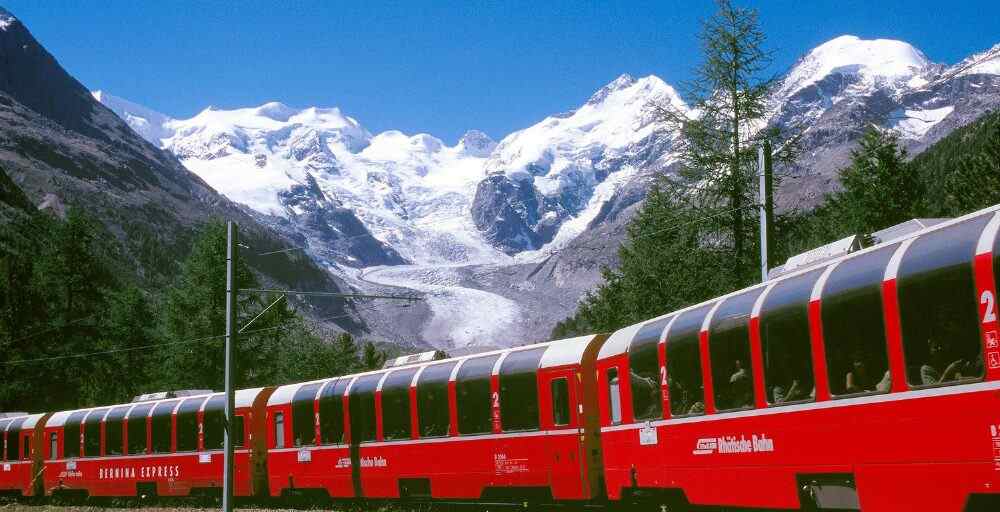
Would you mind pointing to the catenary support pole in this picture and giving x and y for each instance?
(231, 294)
(766, 199)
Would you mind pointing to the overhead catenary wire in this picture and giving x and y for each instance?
(156, 345)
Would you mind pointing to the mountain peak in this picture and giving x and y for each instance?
(624, 81)
(6, 19)
(476, 143)
(873, 59)
(277, 111)
(986, 62)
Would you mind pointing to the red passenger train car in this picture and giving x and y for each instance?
(870, 381)
(21, 457)
(162, 447)
(517, 424)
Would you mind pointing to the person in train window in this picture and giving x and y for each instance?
(740, 386)
(930, 373)
(860, 379)
(679, 396)
(648, 392)
(793, 393)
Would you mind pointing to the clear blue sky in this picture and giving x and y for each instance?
(441, 67)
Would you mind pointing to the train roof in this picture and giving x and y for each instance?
(244, 398)
(621, 339)
(558, 353)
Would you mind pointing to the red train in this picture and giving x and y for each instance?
(869, 381)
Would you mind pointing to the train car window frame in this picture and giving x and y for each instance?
(683, 353)
(212, 424)
(138, 429)
(92, 433)
(3, 438)
(614, 395)
(644, 370)
(187, 424)
(279, 430)
(786, 342)
(518, 390)
(331, 412)
(161, 425)
(396, 421)
(71, 435)
(53, 446)
(853, 322)
(939, 306)
(729, 352)
(562, 413)
(473, 395)
(304, 415)
(361, 403)
(114, 437)
(13, 445)
(433, 409)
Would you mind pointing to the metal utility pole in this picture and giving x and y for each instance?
(766, 204)
(231, 294)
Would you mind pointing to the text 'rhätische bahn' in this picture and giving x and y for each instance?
(866, 380)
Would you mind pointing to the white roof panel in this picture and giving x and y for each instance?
(245, 397)
(31, 421)
(58, 419)
(563, 352)
(619, 340)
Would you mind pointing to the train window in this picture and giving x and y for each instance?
(684, 377)
(3, 438)
(137, 428)
(213, 423)
(644, 371)
(786, 345)
(71, 435)
(472, 389)
(560, 401)
(729, 352)
(331, 412)
(162, 426)
(519, 390)
(114, 442)
(187, 424)
(939, 308)
(396, 404)
(53, 446)
(614, 396)
(433, 411)
(362, 406)
(279, 430)
(304, 415)
(26, 449)
(13, 432)
(857, 359)
(92, 433)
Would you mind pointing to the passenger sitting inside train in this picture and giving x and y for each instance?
(861, 379)
(931, 372)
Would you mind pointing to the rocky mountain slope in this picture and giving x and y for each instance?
(531, 219)
(63, 148)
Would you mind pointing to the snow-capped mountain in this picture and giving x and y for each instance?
(834, 92)
(479, 222)
(546, 183)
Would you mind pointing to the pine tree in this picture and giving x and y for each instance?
(718, 145)
(879, 189)
(195, 309)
